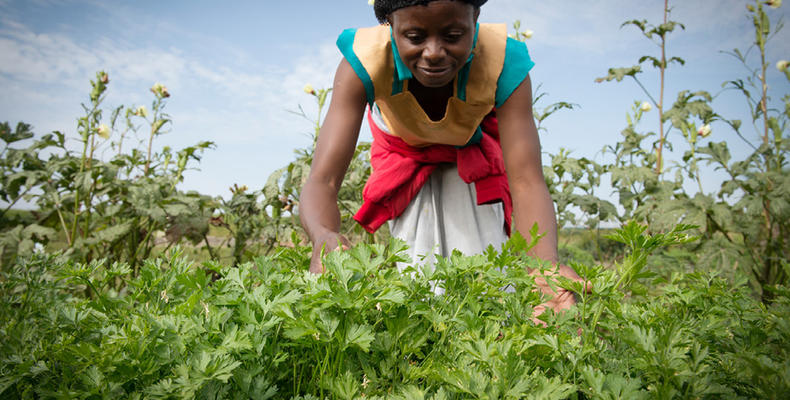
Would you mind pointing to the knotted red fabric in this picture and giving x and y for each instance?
(400, 171)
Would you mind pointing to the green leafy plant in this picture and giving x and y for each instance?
(93, 208)
(270, 329)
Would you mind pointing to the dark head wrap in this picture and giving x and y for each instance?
(383, 8)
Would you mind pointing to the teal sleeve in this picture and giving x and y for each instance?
(515, 70)
(345, 42)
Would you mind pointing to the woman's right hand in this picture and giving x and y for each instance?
(334, 150)
(326, 243)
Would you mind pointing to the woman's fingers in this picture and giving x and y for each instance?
(569, 273)
(329, 243)
(560, 299)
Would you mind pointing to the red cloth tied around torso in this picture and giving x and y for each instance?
(400, 171)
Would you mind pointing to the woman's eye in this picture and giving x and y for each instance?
(453, 36)
(414, 38)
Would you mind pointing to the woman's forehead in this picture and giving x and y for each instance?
(385, 9)
(440, 11)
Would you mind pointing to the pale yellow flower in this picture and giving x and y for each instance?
(141, 111)
(365, 380)
(160, 90)
(308, 88)
(370, 2)
(774, 3)
(704, 130)
(103, 131)
(528, 33)
(782, 65)
(645, 107)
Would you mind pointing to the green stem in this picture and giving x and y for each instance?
(138, 245)
(208, 247)
(2, 214)
(151, 136)
(763, 80)
(89, 196)
(662, 69)
(598, 313)
(638, 82)
(77, 189)
(63, 225)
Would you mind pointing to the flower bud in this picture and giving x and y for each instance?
(103, 131)
(782, 65)
(704, 130)
(160, 90)
(773, 3)
(236, 189)
(141, 111)
(528, 33)
(750, 7)
(308, 88)
(105, 79)
(645, 107)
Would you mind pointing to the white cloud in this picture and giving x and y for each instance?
(236, 98)
(588, 26)
(240, 110)
(595, 26)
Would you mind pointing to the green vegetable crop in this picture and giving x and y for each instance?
(269, 329)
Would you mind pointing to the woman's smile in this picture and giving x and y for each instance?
(435, 40)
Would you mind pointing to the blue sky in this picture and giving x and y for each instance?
(235, 70)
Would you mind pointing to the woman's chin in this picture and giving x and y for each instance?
(434, 81)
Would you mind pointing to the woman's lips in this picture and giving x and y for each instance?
(434, 71)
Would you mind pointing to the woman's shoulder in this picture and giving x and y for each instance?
(499, 64)
(369, 52)
(363, 39)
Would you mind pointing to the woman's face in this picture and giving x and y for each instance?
(435, 40)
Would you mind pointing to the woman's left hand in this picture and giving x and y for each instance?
(561, 298)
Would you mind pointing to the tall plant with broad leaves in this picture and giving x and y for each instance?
(750, 219)
(93, 208)
(743, 226)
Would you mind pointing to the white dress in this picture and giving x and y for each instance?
(445, 216)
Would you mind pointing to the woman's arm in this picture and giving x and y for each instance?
(531, 200)
(337, 140)
(521, 150)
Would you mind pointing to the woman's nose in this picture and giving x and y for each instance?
(433, 51)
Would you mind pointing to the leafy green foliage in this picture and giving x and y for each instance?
(743, 227)
(94, 208)
(269, 329)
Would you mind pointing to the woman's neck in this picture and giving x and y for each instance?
(432, 100)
